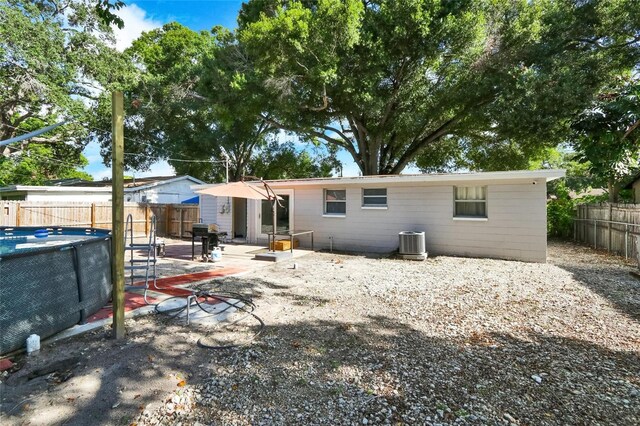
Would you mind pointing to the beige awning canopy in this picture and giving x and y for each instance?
(237, 190)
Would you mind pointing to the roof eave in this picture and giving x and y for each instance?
(547, 174)
(154, 184)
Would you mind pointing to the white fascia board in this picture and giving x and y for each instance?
(28, 188)
(548, 175)
(164, 182)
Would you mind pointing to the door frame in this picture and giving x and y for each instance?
(258, 211)
(235, 201)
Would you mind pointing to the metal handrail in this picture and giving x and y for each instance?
(613, 222)
(607, 221)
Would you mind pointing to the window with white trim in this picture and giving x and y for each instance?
(470, 201)
(335, 201)
(374, 197)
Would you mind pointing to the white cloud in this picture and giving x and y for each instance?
(102, 174)
(136, 22)
(161, 168)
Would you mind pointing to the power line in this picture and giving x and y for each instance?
(142, 143)
(150, 145)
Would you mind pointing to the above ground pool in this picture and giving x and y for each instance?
(50, 279)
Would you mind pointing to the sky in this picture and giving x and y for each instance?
(144, 15)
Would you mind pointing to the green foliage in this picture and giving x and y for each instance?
(104, 9)
(54, 57)
(606, 137)
(40, 165)
(389, 80)
(165, 116)
(189, 102)
(560, 213)
(284, 161)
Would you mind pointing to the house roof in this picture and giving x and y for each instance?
(130, 185)
(548, 175)
(139, 183)
(633, 180)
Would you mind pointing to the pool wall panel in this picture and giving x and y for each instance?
(43, 292)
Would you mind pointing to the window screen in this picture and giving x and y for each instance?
(375, 197)
(470, 201)
(335, 201)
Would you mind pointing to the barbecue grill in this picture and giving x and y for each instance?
(209, 236)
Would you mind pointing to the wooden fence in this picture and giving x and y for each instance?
(611, 227)
(172, 220)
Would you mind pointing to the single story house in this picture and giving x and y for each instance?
(489, 214)
(162, 189)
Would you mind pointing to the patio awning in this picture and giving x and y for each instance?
(236, 190)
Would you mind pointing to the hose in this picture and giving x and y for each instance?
(243, 303)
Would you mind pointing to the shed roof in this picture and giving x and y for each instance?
(130, 185)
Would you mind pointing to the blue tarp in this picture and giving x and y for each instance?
(194, 200)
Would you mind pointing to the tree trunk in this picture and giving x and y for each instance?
(613, 188)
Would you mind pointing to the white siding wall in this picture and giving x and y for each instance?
(166, 193)
(225, 220)
(208, 209)
(210, 212)
(516, 227)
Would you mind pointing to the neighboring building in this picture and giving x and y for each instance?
(163, 190)
(491, 214)
(634, 185)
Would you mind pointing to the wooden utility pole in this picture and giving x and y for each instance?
(117, 214)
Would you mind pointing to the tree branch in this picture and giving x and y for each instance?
(341, 134)
(633, 127)
(325, 101)
(415, 146)
(19, 120)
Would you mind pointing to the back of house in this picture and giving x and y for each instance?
(490, 214)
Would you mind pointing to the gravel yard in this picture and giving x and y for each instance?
(359, 340)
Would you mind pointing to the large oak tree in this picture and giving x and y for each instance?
(186, 106)
(55, 59)
(388, 80)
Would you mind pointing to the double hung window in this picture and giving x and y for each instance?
(335, 202)
(470, 201)
(374, 197)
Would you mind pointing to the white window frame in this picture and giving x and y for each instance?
(324, 203)
(375, 206)
(485, 201)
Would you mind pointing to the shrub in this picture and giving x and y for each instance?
(560, 213)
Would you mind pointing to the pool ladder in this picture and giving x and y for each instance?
(143, 267)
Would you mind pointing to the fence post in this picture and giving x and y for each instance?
(18, 214)
(146, 220)
(181, 222)
(595, 234)
(586, 225)
(626, 240)
(93, 215)
(167, 225)
(610, 227)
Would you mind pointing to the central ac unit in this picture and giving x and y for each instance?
(412, 245)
